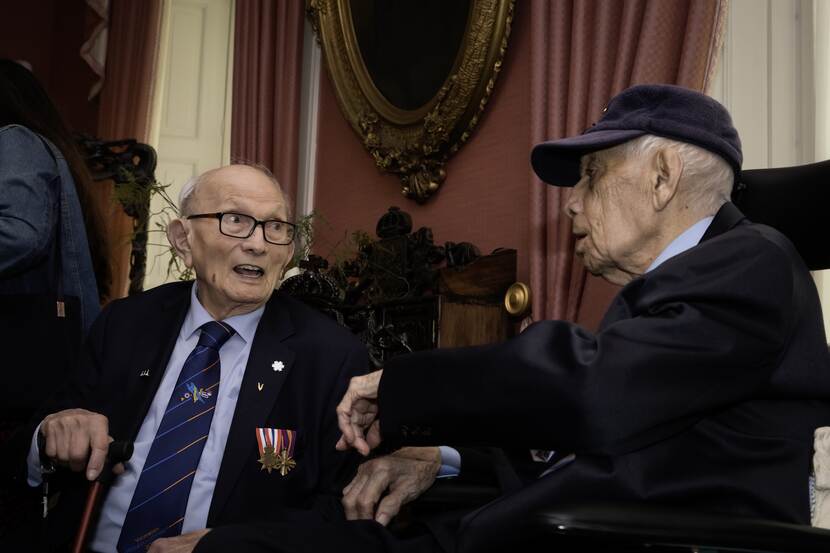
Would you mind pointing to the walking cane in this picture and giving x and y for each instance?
(119, 452)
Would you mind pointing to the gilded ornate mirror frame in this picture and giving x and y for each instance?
(415, 144)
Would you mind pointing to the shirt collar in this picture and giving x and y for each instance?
(689, 238)
(245, 325)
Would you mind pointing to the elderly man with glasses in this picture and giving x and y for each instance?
(227, 387)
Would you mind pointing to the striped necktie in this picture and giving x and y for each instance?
(160, 497)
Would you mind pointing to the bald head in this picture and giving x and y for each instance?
(227, 175)
(221, 235)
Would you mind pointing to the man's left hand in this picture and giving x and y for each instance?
(357, 414)
(178, 544)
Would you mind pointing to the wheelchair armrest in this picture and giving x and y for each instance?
(665, 526)
(450, 494)
(446, 498)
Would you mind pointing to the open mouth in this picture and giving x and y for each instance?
(249, 271)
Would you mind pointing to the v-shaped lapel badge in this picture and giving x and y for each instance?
(260, 386)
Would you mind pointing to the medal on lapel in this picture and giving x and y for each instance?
(276, 449)
(284, 462)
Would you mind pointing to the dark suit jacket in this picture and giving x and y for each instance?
(701, 389)
(138, 333)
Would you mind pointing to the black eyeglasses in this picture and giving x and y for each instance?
(239, 225)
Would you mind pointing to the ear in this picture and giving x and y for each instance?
(178, 234)
(667, 168)
(287, 261)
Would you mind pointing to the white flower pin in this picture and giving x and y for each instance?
(278, 366)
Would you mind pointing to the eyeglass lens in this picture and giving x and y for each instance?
(242, 226)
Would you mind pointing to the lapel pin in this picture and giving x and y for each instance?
(259, 386)
(145, 372)
(278, 366)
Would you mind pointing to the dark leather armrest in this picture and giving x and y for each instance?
(665, 526)
(451, 494)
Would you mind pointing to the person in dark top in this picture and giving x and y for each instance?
(705, 381)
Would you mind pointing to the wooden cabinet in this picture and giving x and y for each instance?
(402, 293)
(465, 309)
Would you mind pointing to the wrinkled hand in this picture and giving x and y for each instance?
(357, 414)
(405, 475)
(178, 544)
(78, 439)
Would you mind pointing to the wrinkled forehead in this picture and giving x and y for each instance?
(592, 159)
(614, 157)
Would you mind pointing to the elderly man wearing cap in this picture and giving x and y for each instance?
(701, 388)
(708, 374)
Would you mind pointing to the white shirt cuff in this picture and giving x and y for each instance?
(35, 477)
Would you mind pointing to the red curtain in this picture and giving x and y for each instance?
(582, 54)
(132, 45)
(267, 70)
(126, 99)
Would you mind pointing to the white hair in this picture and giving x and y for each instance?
(707, 179)
(188, 191)
(186, 194)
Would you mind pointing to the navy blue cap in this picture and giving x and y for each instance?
(663, 110)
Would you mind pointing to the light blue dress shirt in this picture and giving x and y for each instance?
(689, 238)
(233, 357)
(450, 462)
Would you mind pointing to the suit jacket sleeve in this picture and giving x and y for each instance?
(477, 466)
(690, 337)
(338, 467)
(82, 384)
(77, 393)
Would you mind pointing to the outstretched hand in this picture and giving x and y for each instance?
(357, 414)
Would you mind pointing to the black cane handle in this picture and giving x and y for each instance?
(119, 452)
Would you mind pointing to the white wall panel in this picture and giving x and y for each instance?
(309, 102)
(769, 79)
(191, 112)
(765, 79)
(184, 62)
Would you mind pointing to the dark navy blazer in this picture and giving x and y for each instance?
(319, 358)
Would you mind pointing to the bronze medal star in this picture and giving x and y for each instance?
(268, 459)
